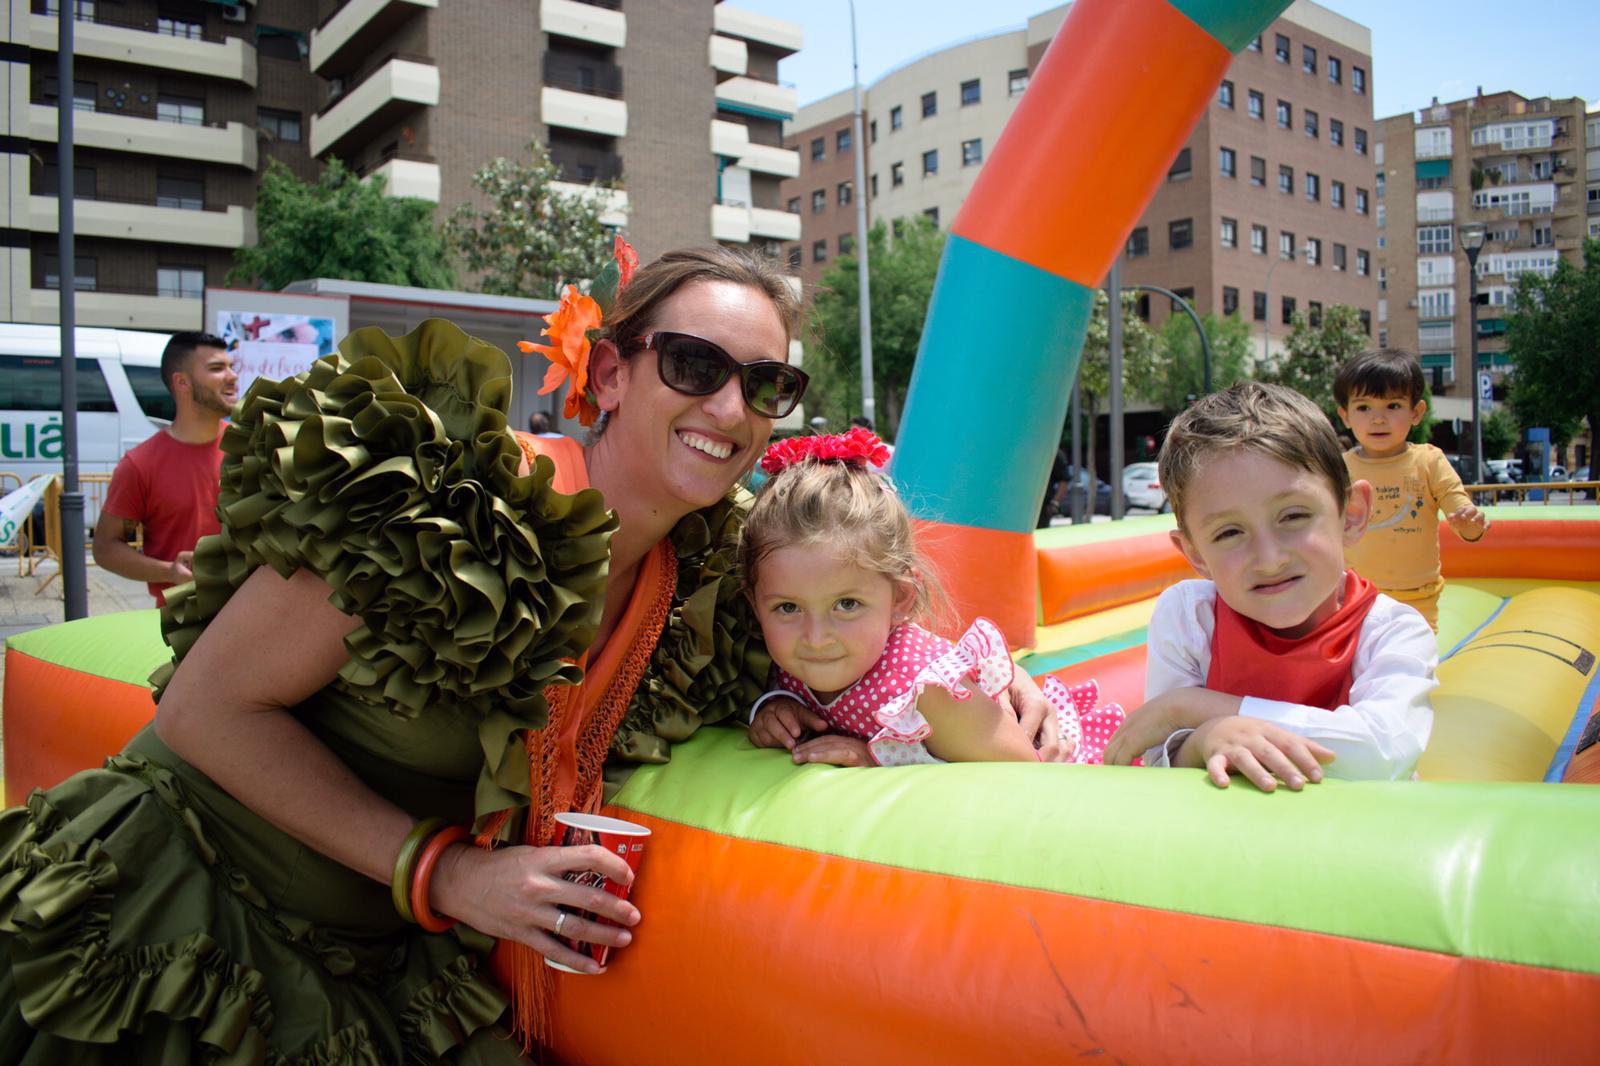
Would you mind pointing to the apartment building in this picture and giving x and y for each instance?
(668, 112)
(1514, 164)
(1268, 209)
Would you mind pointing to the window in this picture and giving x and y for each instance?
(841, 141)
(1361, 201)
(282, 125)
(1335, 71)
(897, 175)
(83, 93)
(1542, 237)
(1366, 321)
(1139, 242)
(1230, 300)
(1258, 306)
(930, 104)
(1285, 244)
(1383, 338)
(1017, 82)
(1258, 240)
(1308, 59)
(971, 92)
(1180, 234)
(33, 383)
(1335, 132)
(1258, 105)
(1311, 123)
(1361, 141)
(819, 201)
(1433, 240)
(184, 109)
(1358, 79)
(83, 182)
(1225, 95)
(1228, 161)
(872, 131)
(794, 205)
(1255, 43)
(178, 27)
(1288, 310)
(188, 194)
(872, 186)
(972, 152)
(1229, 231)
(1436, 303)
(846, 193)
(1285, 114)
(1336, 194)
(1258, 170)
(932, 214)
(819, 251)
(896, 118)
(846, 242)
(796, 256)
(819, 149)
(1313, 187)
(1313, 251)
(1339, 262)
(1280, 48)
(1314, 313)
(183, 282)
(930, 162)
(1286, 179)
(85, 278)
(1181, 166)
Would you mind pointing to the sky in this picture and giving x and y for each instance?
(1444, 48)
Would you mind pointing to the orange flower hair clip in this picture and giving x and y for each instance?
(574, 326)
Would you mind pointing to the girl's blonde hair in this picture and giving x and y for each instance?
(846, 506)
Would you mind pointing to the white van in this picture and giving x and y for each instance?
(121, 400)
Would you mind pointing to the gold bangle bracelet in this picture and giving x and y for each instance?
(405, 863)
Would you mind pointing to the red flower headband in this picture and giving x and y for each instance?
(858, 447)
(572, 328)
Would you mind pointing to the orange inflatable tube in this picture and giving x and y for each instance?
(1085, 578)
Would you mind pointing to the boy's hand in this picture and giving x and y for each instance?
(1467, 518)
(836, 749)
(781, 722)
(1255, 749)
(1158, 719)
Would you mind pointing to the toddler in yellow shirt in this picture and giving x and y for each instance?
(1380, 397)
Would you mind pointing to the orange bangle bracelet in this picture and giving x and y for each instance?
(422, 877)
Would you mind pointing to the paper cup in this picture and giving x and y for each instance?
(625, 839)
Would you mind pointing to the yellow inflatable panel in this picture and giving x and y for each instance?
(1519, 680)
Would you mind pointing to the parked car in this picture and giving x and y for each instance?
(1501, 471)
(1141, 487)
(1581, 474)
(1102, 495)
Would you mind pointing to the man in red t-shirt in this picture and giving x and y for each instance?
(168, 484)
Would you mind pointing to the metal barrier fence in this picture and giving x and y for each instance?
(35, 545)
(1519, 492)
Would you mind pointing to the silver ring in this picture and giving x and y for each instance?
(561, 917)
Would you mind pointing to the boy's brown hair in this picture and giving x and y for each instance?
(1268, 419)
(1381, 373)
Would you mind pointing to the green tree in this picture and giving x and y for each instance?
(1179, 365)
(1553, 334)
(1094, 368)
(339, 227)
(1500, 433)
(901, 275)
(1314, 355)
(531, 239)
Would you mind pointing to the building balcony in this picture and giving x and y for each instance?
(777, 225)
(730, 221)
(119, 310)
(97, 37)
(142, 220)
(355, 30)
(777, 35)
(585, 167)
(1433, 152)
(1436, 214)
(119, 131)
(581, 74)
(419, 178)
(753, 96)
(584, 22)
(613, 202)
(397, 87)
(729, 55)
(729, 139)
(583, 111)
(769, 159)
(1426, 343)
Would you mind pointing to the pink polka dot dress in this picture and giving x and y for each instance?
(881, 708)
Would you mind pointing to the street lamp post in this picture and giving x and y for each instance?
(863, 285)
(1205, 343)
(1472, 236)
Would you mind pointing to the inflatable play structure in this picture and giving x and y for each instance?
(1034, 914)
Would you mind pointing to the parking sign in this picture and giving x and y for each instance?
(1485, 391)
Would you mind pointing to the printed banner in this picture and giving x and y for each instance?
(17, 505)
(275, 346)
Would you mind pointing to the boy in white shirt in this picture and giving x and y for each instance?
(1281, 659)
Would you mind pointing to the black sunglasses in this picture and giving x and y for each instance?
(696, 367)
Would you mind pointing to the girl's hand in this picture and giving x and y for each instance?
(515, 893)
(1036, 716)
(781, 722)
(835, 749)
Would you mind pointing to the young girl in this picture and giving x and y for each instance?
(829, 561)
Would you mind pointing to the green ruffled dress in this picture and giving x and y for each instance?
(146, 916)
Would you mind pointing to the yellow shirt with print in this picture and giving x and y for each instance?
(1400, 549)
